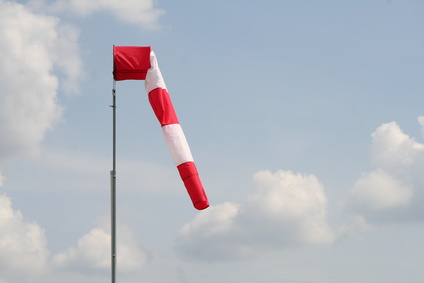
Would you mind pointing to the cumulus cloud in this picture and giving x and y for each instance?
(23, 252)
(140, 12)
(394, 151)
(93, 252)
(31, 50)
(283, 209)
(295, 202)
(394, 188)
(24, 256)
(377, 190)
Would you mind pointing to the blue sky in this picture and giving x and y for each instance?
(304, 118)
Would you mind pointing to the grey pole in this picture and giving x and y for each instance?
(113, 188)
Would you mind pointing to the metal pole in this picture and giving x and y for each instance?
(113, 188)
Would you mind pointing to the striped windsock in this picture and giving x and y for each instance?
(139, 63)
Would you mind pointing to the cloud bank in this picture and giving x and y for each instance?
(286, 209)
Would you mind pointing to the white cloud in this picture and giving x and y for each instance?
(394, 188)
(296, 202)
(141, 12)
(24, 256)
(214, 234)
(283, 209)
(377, 190)
(23, 253)
(93, 252)
(393, 150)
(31, 47)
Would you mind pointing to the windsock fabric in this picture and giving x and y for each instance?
(140, 63)
(130, 63)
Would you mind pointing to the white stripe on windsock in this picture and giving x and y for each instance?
(177, 143)
(154, 77)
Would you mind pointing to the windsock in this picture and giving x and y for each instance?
(140, 63)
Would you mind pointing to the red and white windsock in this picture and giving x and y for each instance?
(139, 63)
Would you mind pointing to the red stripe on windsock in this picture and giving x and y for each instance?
(130, 62)
(162, 106)
(190, 177)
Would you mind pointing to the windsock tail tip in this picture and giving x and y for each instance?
(201, 205)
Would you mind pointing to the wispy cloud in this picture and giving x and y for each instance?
(82, 171)
(139, 12)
